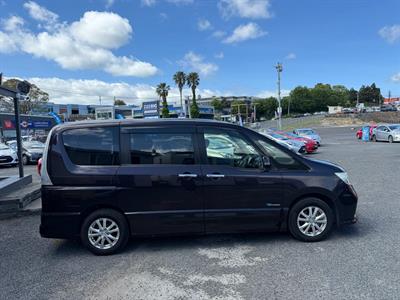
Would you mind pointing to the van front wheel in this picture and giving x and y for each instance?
(104, 232)
(311, 220)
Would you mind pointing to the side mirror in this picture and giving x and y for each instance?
(266, 162)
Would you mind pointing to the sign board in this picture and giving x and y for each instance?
(365, 133)
(10, 124)
(151, 109)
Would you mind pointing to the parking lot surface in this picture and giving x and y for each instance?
(359, 261)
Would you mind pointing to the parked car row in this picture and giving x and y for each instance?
(302, 140)
(32, 151)
(380, 133)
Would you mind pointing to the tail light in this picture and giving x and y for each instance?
(39, 167)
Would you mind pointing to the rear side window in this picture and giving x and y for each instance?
(161, 148)
(92, 146)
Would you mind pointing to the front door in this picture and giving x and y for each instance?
(159, 180)
(240, 195)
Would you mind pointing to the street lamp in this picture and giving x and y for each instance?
(279, 69)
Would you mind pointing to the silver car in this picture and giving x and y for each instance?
(387, 133)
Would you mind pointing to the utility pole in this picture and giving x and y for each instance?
(279, 69)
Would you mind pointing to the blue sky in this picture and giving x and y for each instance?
(79, 50)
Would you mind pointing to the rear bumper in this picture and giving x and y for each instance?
(60, 225)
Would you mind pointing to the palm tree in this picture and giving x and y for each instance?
(162, 92)
(180, 81)
(193, 81)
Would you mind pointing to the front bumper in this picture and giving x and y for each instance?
(8, 160)
(347, 206)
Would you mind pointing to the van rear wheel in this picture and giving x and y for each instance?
(311, 220)
(104, 232)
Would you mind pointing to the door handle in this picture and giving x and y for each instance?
(187, 175)
(215, 175)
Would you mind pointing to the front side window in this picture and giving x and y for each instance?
(232, 149)
(161, 148)
(92, 146)
(281, 158)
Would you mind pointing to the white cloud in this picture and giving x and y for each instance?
(109, 3)
(176, 2)
(269, 93)
(219, 34)
(390, 33)
(163, 16)
(219, 55)
(180, 2)
(102, 29)
(148, 2)
(84, 44)
(40, 13)
(396, 77)
(291, 56)
(6, 45)
(245, 32)
(13, 23)
(254, 9)
(79, 91)
(203, 25)
(196, 63)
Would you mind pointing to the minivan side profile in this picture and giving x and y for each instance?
(107, 181)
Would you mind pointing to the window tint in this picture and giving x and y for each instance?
(92, 146)
(281, 158)
(232, 149)
(161, 148)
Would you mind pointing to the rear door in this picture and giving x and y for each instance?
(239, 195)
(159, 180)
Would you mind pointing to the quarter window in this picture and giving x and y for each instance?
(92, 146)
(232, 149)
(161, 148)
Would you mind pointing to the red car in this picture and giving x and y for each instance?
(310, 145)
(371, 129)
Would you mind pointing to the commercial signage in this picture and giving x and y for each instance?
(151, 109)
(10, 124)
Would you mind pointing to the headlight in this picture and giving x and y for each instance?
(344, 177)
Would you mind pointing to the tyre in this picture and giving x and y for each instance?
(311, 220)
(390, 139)
(374, 138)
(105, 232)
(25, 160)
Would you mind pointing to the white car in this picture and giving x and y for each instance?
(295, 146)
(7, 156)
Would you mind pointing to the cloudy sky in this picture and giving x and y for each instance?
(79, 50)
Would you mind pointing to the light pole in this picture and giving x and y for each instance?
(279, 69)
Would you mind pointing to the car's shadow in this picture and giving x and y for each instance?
(172, 243)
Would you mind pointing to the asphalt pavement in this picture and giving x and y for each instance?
(360, 261)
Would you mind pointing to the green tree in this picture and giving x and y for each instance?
(162, 91)
(37, 97)
(118, 102)
(370, 94)
(265, 108)
(353, 95)
(193, 81)
(180, 81)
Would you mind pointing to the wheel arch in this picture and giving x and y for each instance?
(322, 196)
(85, 213)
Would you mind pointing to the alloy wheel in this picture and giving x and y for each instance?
(312, 221)
(103, 233)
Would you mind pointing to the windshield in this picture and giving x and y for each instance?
(306, 131)
(394, 127)
(34, 145)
